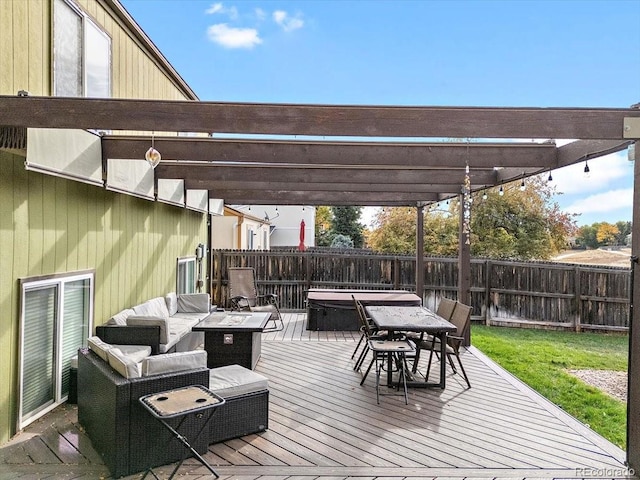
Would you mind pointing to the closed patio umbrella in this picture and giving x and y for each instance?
(301, 246)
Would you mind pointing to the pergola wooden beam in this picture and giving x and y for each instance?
(302, 197)
(203, 173)
(406, 154)
(318, 120)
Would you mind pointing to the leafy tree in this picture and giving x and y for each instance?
(519, 224)
(587, 236)
(394, 230)
(324, 217)
(346, 222)
(624, 230)
(606, 233)
(341, 241)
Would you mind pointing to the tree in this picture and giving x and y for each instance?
(624, 229)
(519, 224)
(587, 236)
(606, 233)
(346, 222)
(324, 217)
(341, 241)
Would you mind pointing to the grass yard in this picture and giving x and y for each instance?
(541, 358)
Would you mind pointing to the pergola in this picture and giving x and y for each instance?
(393, 156)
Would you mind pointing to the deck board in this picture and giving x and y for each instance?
(323, 425)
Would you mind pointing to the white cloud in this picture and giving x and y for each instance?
(231, 37)
(604, 171)
(218, 8)
(287, 23)
(603, 202)
(260, 14)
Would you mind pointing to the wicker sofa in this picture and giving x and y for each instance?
(127, 437)
(164, 323)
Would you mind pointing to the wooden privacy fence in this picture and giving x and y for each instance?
(544, 295)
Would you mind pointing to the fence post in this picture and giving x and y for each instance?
(219, 279)
(488, 265)
(578, 317)
(307, 273)
(396, 273)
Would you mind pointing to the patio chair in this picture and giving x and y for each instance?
(243, 296)
(445, 310)
(461, 318)
(368, 331)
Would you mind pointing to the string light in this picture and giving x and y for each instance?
(484, 195)
(587, 172)
(522, 186)
(466, 202)
(550, 179)
(501, 191)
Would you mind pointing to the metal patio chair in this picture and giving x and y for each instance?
(243, 296)
(461, 318)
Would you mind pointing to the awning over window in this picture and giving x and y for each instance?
(133, 177)
(72, 154)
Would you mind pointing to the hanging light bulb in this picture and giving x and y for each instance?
(152, 155)
(484, 196)
(587, 172)
(550, 179)
(501, 191)
(522, 185)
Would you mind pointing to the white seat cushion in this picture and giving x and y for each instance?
(235, 380)
(174, 362)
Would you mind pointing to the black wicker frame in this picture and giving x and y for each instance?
(239, 416)
(126, 436)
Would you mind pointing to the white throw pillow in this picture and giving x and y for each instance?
(174, 362)
(122, 364)
(194, 303)
(99, 347)
(171, 299)
(120, 318)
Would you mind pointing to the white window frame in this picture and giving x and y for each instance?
(88, 27)
(185, 262)
(38, 283)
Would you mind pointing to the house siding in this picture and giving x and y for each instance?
(49, 225)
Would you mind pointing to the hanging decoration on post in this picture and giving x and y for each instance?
(466, 202)
(152, 155)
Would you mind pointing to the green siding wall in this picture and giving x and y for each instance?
(50, 225)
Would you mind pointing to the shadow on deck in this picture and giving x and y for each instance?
(324, 425)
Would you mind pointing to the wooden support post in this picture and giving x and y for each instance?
(633, 398)
(420, 252)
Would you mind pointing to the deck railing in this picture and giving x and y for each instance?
(539, 294)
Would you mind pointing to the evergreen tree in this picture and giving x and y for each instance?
(346, 222)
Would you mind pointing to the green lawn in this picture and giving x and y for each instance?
(540, 358)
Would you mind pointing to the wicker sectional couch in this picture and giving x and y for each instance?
(164, 323)
(128, 438)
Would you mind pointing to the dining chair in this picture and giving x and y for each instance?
(243, 295)
(368, 331)
(461, 318)
(445, 309)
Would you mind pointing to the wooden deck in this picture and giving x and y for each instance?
(324, 425)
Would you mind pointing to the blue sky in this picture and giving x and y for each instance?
(452, 53)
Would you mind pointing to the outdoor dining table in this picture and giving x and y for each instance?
(413, 319)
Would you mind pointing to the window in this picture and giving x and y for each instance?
(81, 54)
(56, 318)
(186, 275)
(250, 239)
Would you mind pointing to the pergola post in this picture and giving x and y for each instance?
(420, 251)
(464, 266)
(633, 399)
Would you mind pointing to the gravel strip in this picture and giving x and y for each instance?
(609, 381)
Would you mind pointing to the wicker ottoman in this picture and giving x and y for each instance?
(246, 410)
